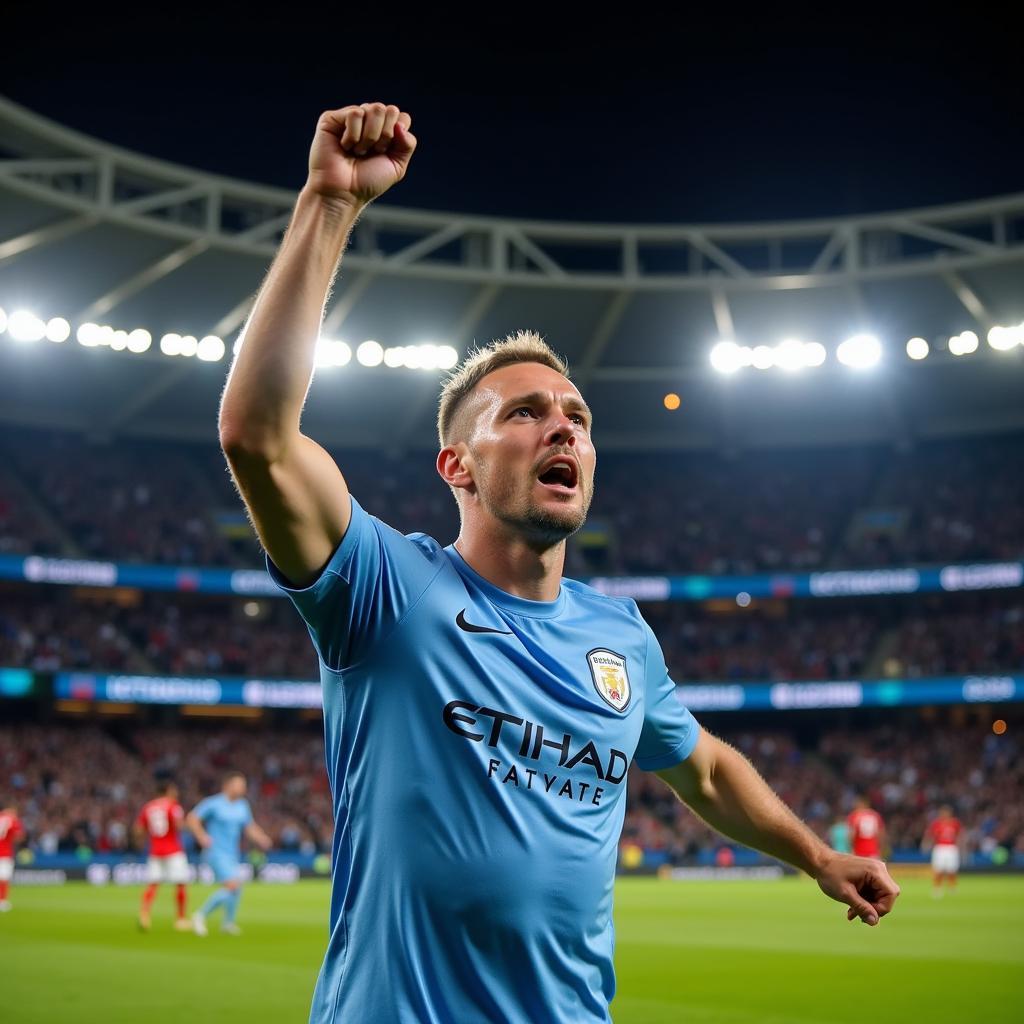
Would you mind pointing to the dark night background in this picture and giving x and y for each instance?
(630, 115)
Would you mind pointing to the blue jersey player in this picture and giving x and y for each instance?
(218, 823)
(480, 711)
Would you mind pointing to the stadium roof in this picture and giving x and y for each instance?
(95, 234)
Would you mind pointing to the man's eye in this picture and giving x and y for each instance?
(577, 418)
(523, 408)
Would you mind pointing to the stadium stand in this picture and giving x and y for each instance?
(198, 635)
(80, 786)
(907, 770)
(853, 507)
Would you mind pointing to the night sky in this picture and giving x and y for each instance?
(527, 115)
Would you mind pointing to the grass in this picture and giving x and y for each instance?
(704, 952)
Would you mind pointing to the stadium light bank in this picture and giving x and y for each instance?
(859, 352)
(25, 327)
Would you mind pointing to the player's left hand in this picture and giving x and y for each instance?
(863, 884)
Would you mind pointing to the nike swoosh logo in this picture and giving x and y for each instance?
(469, 627)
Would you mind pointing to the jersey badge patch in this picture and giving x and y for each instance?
(611, 681)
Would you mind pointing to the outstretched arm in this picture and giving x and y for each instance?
(294, 491)
(255, 834)
(724, 788)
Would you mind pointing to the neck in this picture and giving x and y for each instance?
(520, 567)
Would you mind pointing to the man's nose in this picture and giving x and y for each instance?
(561, 432)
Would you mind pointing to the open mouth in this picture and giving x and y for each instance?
(560, 474)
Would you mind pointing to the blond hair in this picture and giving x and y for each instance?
(521, 347)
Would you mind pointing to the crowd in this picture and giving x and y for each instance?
(80, 788)
(809, 642)
(658, 512)
(906, 772)
(130, 501)
(962, 501)
(975, 635)
(218, 637)
(50, 629)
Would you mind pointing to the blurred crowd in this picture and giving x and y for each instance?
(78, 789)
(653, 513)
(906, 773)
(52, 629)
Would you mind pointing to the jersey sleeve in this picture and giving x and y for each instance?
(177, 815)
(248, 815)
(669, 732)
(140, 820)
(205, 808)
(373, 578)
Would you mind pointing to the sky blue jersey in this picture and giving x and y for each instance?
(224, 820)
(477, 747)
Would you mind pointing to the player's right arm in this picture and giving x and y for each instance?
(295, 493)
(194, 822)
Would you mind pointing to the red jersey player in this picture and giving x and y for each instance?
(161, 819)
(866, 829)
(10, 832)
(943, 836)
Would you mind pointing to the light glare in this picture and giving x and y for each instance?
(964, 343)
(58, 330)
(814, 353)
(917, 348)
(210, 349)
(726, 357)
(860, 352)
(1002, 339)
(88, 335)
(370, 353)
(790, 355)
(25, 326)
(170, 344)
(139, 340)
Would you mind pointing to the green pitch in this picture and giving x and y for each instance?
(711, 953)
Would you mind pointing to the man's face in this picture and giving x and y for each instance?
(529, 451)
(235, 787)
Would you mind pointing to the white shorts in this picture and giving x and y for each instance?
(945, 859)
(6, 869)
(172, 868)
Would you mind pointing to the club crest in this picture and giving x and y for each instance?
(610, 679)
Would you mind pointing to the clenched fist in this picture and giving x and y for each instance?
(359, 152)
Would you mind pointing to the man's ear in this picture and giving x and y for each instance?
(453, 468)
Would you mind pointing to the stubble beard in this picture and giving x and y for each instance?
(502, 497)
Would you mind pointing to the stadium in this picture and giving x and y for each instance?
(810, 481)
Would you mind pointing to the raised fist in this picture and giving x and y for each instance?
(359, 152)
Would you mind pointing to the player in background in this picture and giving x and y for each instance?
(218, 823)
(839, 836)
(161, 820)
(10, 832)
(943, 838)
(867, 830)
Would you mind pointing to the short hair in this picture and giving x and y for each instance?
(521, 347)
(233, 774)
